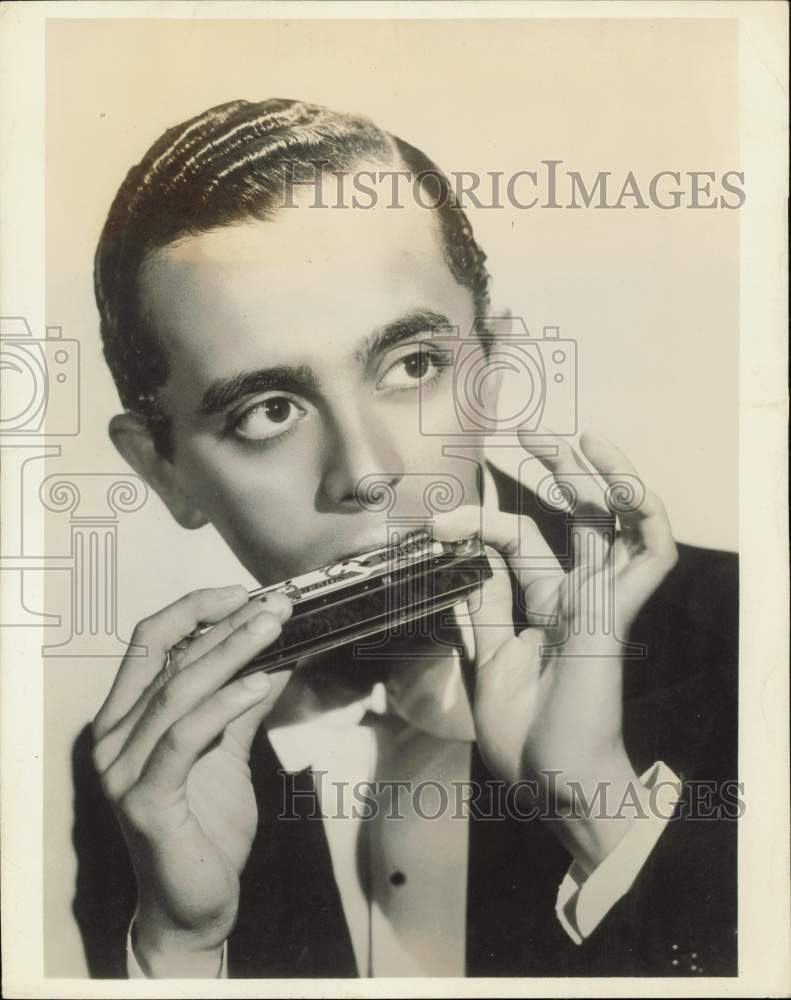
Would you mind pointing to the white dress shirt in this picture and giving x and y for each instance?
(402, 881)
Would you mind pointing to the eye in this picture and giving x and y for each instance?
(417, 367)
(269, 417)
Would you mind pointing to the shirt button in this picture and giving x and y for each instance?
(397, 878)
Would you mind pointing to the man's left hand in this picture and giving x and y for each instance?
(548, 700)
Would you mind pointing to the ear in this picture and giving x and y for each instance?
(133, 440)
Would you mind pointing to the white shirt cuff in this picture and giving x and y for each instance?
(135, 971)
(583, 902)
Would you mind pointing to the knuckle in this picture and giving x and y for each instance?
(264, 626)
(177, 738)
(165, 699)
(227, 699)
(144, 633)
(98, 724)
(203, 601)
(200, 599)
(178, 658)
(667, 558)
(102, 755)
(135, 807)
(114, 785)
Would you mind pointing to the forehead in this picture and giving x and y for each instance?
(309, 281)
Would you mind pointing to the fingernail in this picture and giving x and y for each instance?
(265, 624)
(278, 605)
(258, 681)
(232, 593)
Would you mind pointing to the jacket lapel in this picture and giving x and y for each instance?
(291, 920)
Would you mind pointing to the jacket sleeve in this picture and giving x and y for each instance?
(105, 896)
(679, 917)
(680, 705)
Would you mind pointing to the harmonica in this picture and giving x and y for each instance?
(374, 592)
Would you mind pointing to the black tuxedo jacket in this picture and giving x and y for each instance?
(680, 916)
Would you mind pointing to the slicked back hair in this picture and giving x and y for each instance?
(226, 166)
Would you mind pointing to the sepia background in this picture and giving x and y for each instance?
(651, 297)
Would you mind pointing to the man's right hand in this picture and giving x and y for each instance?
(172, 750)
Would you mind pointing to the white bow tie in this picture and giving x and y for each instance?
(428, 695)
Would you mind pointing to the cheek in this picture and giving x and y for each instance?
(439, 475)
(440, 461)
(257, 500)
(448, 480)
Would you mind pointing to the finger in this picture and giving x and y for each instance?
(572, 480)
(517, 538)
(153, 637)
(637, 508)
(190, 650)
(242, 731)
(528, 556)
(491, 611)
(114, 739)
(574, 487)
(188, 689)
(180, 746)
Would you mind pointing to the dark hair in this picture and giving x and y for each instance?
(223, 167)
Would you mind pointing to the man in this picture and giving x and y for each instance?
(273, 356)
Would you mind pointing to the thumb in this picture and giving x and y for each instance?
(491, 611)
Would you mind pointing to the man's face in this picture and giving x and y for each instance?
(296, 370)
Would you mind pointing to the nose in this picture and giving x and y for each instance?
(363, 460)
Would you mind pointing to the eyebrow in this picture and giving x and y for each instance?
(223, 393)
(413, 323)
(301, 380)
